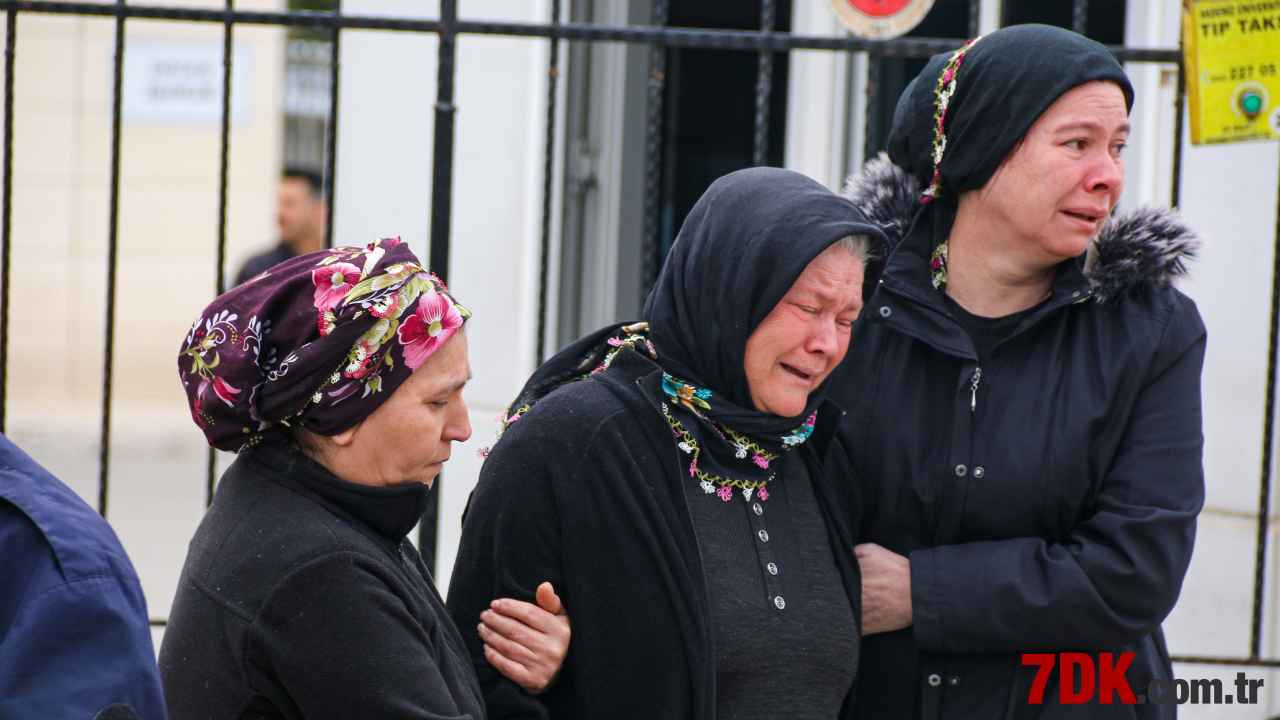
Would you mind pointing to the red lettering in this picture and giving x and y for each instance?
(1045, 661)
(1112, 678)
(1066, 679)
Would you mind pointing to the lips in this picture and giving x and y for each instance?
(1087, 215)
(798, 372)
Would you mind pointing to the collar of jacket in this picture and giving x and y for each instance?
(82, 542)
(649, 379)
(908, 302)
(390, 512)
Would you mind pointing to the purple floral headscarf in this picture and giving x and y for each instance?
(322, 339)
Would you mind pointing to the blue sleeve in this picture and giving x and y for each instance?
(76, 648)
(25, 558)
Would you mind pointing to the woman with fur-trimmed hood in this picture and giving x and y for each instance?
(1023, 396)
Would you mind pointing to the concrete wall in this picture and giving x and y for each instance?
(167, 240)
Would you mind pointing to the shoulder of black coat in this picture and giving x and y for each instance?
(566, 416)
(253, 512)
(1143, 248)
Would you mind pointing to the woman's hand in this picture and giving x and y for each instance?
(527, 642)
(886, 589)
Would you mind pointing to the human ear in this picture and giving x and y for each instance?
(345, 437)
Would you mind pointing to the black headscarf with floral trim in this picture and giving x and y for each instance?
(322, 339)
(743, 246)
(1007, 80)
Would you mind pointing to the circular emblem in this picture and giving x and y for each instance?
(1249, 100)
(881, 18)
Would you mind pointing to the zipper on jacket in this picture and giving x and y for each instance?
(977, 377)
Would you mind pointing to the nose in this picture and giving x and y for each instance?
(459, 425)
(825, 338)
(1107, 175)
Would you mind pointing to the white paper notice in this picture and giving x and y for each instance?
(177, 82)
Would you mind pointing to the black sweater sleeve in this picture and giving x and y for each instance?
(511, 537)
(341, 642)
(1120, 573)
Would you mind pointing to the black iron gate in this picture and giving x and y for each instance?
(657, 36)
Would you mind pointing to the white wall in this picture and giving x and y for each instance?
(166, 247)
(1230, 193)
(385, 136)
(817, 83)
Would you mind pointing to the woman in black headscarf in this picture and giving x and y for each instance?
(1023, 415)
(679, 485)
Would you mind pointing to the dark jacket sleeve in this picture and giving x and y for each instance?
(1120, 573)
(370, 660)
(78, 647)
(511, 538)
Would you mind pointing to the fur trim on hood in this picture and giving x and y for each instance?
(1148, 245)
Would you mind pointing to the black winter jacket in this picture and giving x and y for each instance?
(585, 491)
(1048, 499)
(301, 599)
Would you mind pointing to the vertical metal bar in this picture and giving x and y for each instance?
(764, 89)
(651, 248)
(441, 209)
(10, 41)
(871, 136)
(331, 140)
(219, 281)
(1179, 109)
(1079, 16)
(442, 154)
(113, 224)
(975, 18)
(548, 170)
(1268, 444)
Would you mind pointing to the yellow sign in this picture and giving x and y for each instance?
(1232, 54)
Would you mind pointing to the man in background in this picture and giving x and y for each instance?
(300, 214)
(75, 640)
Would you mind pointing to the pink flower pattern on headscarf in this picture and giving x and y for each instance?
(426, 330)
(264, 354)
(225, 391)
(333, 282)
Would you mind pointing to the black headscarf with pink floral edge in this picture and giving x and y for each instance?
(322, 340)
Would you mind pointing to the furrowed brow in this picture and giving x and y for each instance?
(1090, 126)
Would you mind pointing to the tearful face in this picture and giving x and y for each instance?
(806, 335)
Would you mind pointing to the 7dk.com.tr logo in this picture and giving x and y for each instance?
(1110, 682)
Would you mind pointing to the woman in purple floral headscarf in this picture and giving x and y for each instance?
(338, 378)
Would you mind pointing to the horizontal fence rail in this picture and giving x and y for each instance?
(668, 36)
(658, 36)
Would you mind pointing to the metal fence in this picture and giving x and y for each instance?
(657, 36)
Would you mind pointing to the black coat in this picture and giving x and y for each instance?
(1051, 509)
(300, 598)
(585, 491)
